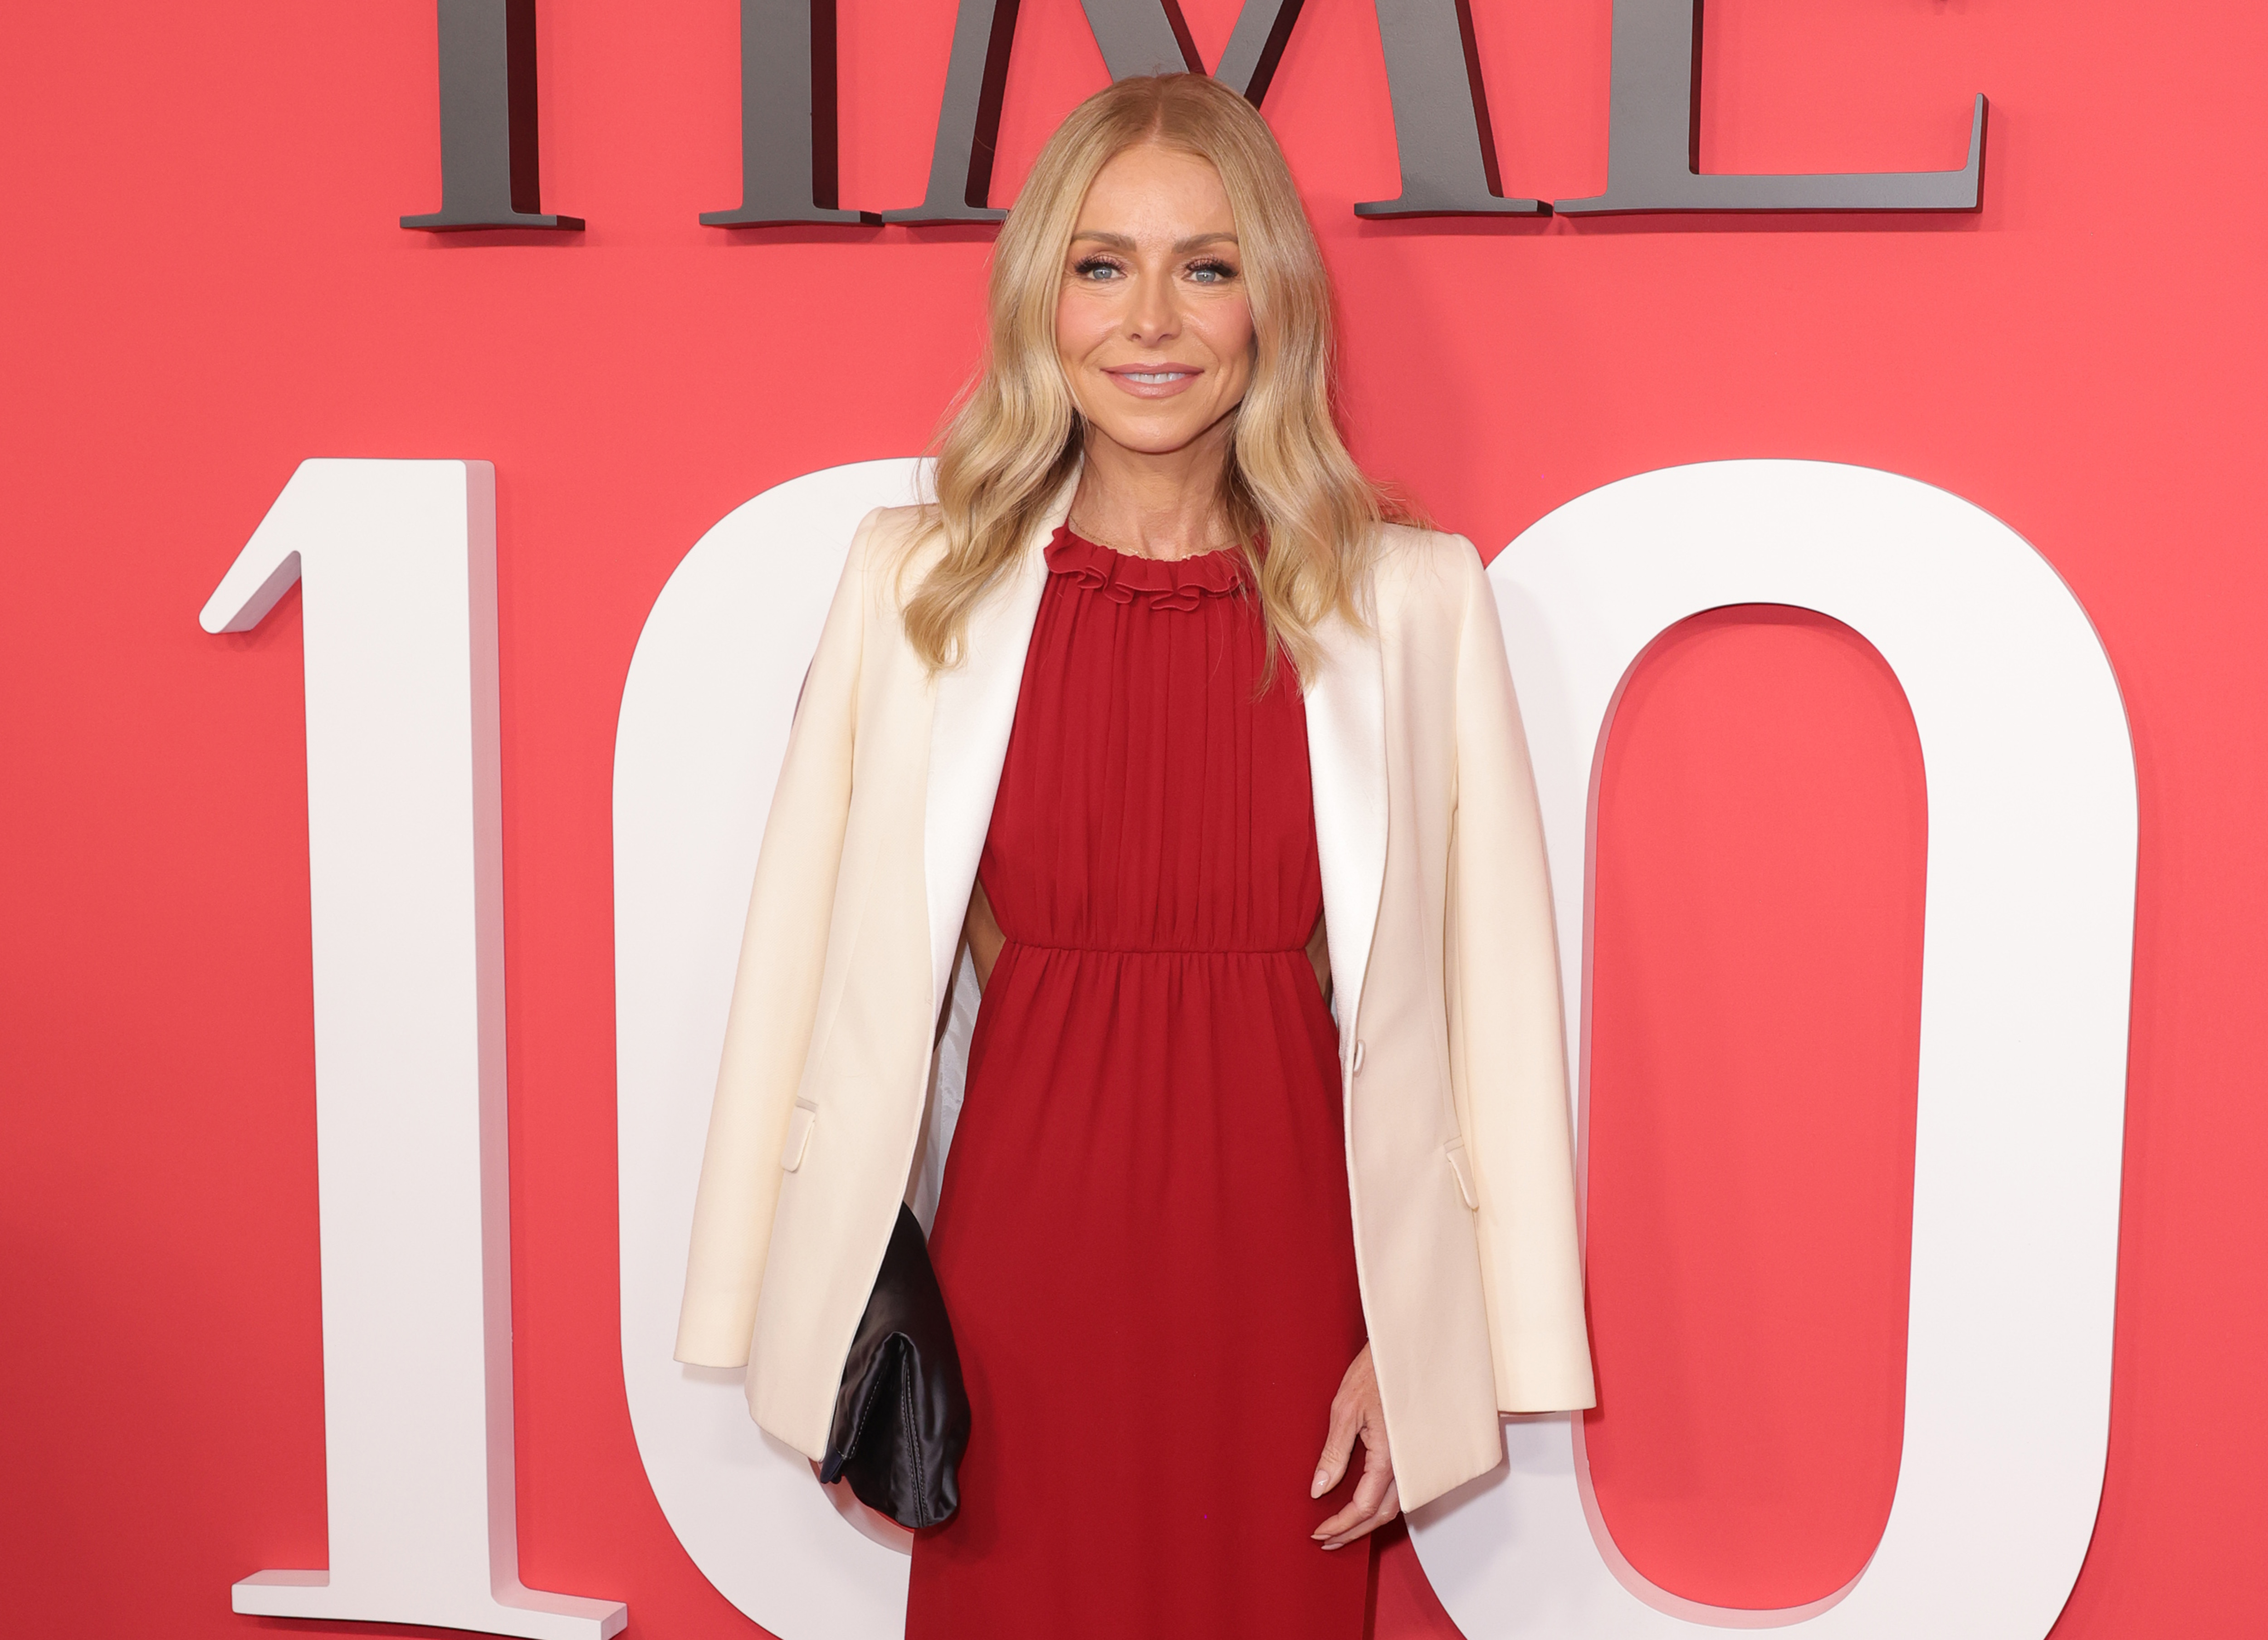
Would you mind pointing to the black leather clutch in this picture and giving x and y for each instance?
(901, 1417)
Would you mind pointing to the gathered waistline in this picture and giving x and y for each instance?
(1161, 950)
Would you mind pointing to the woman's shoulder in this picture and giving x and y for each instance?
(889, 534)
(1418, 570)
(891, 550)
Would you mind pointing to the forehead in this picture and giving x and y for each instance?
(1153, 192)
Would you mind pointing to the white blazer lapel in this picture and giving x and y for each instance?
(1346, 763)
(973, 710)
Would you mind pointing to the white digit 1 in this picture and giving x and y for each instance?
(404, 847)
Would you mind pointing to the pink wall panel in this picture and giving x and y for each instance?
(1755, 1031)
(205, 283)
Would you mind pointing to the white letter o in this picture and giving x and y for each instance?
(2027, 946)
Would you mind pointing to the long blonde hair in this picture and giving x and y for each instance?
(1015, 439)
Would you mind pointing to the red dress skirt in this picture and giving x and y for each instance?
(1142, 1233)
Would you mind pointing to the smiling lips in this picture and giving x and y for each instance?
(1153, 381)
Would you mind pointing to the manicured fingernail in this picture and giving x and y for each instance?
(1330, 1545)
(1322, 1483)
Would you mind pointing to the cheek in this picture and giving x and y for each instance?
(1228, 332)
(1086, 320)
(1067, 330)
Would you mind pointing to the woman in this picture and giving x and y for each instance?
(1217, 777)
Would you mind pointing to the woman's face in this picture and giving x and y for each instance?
(1152, 325)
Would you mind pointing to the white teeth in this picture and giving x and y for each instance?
(1153, 377)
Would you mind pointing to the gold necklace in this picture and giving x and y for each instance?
(1072, 523)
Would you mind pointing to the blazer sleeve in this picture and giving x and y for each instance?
(1506, 1053)
(775, 990)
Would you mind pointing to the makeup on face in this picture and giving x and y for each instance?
(1154, 326)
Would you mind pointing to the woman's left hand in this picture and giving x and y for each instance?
(1357, 1412)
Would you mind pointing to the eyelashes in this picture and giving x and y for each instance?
(1206, 270)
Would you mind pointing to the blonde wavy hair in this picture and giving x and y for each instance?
(1015, 437)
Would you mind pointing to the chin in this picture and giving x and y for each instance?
(1155, 441)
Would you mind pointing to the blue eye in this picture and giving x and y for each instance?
(1096, 269)
(1212, 273)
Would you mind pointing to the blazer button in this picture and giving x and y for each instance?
(1358, 1059)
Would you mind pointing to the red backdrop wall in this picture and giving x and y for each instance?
(205, 283)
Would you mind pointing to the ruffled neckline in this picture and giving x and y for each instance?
(1161, 583)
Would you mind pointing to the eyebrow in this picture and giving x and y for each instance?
(1122, 242)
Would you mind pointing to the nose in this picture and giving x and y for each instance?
(1154, 314)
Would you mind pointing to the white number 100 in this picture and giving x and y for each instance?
(2028, 927)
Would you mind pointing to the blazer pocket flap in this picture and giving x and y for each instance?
(798, 1135)
(1461, 1166)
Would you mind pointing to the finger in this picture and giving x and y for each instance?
(1374, 1492)
(1389, 1506)
(1369, 1492)
(1377, 1479)
(1339, 1525)
(1339, 1445)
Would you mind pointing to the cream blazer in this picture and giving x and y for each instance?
(1445, 979)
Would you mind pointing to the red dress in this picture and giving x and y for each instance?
(1142, 1233)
